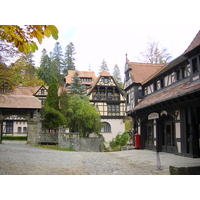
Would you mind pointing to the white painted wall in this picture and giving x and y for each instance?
(117, 127)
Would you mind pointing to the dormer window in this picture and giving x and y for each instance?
(161, 83)
(178, 75)
(155, 86)
(106, 80)
(140, 94)
(195, 67)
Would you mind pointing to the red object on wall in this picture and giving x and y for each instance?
(137, 141)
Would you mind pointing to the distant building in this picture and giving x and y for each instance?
(108, 98)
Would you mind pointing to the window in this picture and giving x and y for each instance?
(113, 109)
(9, 127)
(184, 72)
(127, 75)
(19, 129)
(161, 83)
(106, 80)
(24, 129)
(106, 127)
(140, 93)
(155, 86)
(127, 99)
(195, 65)
(42, 91)
(86, 79)
(178, 75)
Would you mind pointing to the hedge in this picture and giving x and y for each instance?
(21, 138)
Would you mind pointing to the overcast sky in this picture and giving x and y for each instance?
(107, 29)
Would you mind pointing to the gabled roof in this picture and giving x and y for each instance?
(195, 43)
(31, 90)
(167, 67)
(168, 94)
(104, 73)
(19, 101)
(83, 74)
(140, 72)
(25, 90)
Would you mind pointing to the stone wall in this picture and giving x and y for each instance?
(48, 138)
(193, 170)
(92, 144)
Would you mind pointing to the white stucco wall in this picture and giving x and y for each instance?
(117, 127)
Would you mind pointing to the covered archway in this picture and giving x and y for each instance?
(24, 106)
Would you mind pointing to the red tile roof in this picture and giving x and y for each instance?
(105, 73)
(84, 74)
(30, 90)
(140, 72)
(167, 94)
(195, 42)
(19, 101)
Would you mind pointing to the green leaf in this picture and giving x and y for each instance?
(47, 32)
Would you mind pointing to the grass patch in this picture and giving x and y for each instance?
(20, 138)
(54, 147)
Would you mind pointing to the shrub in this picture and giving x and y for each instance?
(119, 141)
(21, 138)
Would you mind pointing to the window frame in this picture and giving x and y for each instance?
(106, 128)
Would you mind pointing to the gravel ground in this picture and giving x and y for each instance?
(18, 158)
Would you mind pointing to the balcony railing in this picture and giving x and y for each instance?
(106, 97)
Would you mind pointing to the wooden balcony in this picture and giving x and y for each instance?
(106, 97)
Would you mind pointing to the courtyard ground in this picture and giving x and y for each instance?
(18, 158)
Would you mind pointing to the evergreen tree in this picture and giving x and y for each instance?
(57, 62)
(53, 118)
(76, 86)
(44, 70)
(57, 56)
(103, 66)
(116, 74)
(69, 58)
(52, 99)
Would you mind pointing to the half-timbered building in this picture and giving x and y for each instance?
(110, 102)
(165, 105)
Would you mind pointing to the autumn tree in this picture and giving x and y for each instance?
(155, 54)
(23, 71)
(22, 37)
(8, 54)
(69, 58)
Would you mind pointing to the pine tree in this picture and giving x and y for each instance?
(53, 118)
(69, 58)
(57, 62)
(116, 74)
(76, 86)
(52, 99)
(103, 66)
(44, 71)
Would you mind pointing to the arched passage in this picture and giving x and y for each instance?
(25, 106)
